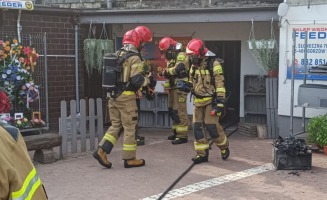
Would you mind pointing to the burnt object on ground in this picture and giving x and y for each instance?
(291, 154)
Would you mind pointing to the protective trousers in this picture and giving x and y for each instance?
(178, 112)
(203, 121)
(123, 116)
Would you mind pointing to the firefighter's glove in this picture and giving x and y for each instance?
(164, 73)
(148, 91)
(150, 95)
(219, 107)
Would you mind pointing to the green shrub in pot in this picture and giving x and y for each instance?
(317, 130)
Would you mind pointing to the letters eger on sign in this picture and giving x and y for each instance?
(20, 5)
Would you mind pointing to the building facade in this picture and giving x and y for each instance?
(301, 16)
(224, 26)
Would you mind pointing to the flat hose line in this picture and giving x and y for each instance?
(192, 165)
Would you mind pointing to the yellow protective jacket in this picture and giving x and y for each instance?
(134, 72)
(18, 177)
(175, 70)
(203, 85)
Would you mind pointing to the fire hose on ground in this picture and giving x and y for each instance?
(192, 165)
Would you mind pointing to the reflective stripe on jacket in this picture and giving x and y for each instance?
(18, 177)
(30, 185)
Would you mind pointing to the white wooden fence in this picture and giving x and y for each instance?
(90, 126)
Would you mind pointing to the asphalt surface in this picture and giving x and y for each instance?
(247, 174)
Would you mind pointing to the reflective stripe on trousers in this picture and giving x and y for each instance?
(129, 147)
(181, 129)
(200, 146)
(30, 185)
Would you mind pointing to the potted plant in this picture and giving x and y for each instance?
(265, 53)
(317, 131)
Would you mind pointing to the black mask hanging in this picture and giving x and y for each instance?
(171, 55)
(195, 60)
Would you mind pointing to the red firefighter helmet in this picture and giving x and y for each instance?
(145, 32)
(165, 43)
(132, 37)
(196, 46)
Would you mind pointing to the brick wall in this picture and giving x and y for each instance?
(159, 4)
(60, 39)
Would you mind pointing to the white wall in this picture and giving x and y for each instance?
(213, 31)
(297, 16)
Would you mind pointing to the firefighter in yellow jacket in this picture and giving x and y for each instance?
(122, 103)
(18, 177)
(177, 87)
(209, 101)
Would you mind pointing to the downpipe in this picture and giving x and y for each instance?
(109, 4)
(19, 27)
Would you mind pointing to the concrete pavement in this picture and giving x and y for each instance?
(247, 174)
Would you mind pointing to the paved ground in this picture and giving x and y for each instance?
(248, 174)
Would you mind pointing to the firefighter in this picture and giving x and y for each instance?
(207, 78)
(122, 106)
(18, 176)
(146, 36)
(177, 87)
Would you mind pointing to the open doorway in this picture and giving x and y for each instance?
(230, 52)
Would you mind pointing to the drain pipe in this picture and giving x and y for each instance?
(46, 78)
(76, 67)
(109, 4)
(19, 27)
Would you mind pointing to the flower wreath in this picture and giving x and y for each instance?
(17, 63)
(4, 102)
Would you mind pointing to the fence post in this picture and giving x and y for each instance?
(92, 129)
(100, 119)
(83, 125)
(92, 124)
(272, 107)
(73, 126)
(63, 128)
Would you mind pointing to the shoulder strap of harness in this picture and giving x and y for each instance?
(210, 68)
(121, 59)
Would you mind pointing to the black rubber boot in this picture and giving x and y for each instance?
(172, 136)
(225, 153)
(101, 156)
(200, 159)
(134, 163)
(179, 141)
(140, 140)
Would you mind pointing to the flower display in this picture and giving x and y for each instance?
(36, 123)
(22, 123)
(17, 63)
(4, 103)
(18, 92)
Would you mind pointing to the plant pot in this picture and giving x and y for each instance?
(325, 150)
(262, 44)
(273, 73)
